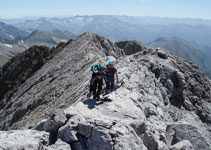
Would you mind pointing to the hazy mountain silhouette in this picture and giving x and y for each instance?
(116, 28)
(9, 32)
(14, 40)
(186, 50)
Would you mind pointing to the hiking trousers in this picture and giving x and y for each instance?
(96, 87)
(110, 83)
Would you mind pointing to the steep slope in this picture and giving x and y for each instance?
(3, 59)
(57, 81)
(10, 50)
(9, 32)
(22, 66)
(161, 103)
(7, 35)
(40, 38)
(184, 49)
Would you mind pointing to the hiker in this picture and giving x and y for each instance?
(95, 69)
(110, 72)
(96, 86)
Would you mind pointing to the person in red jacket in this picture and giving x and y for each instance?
(110, 73)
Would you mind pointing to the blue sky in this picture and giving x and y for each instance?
(51, 8)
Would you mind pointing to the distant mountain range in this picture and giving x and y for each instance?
(186, 50)
(14, 40)
(162, 101)
(192, 37)
(130, 19)
(9, 32)
(7, 51)
(116, 28)
(47, 38)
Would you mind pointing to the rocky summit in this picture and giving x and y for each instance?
(162, 102)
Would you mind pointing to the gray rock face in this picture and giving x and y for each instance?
(131, 47)
(59, 145)
(183, 145)
(162, 102)
(27, 139)
(58, 83)
(162, 54)
(52, 124)
(180, 132)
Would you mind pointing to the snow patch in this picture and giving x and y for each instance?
(8, 45)
(10, 36)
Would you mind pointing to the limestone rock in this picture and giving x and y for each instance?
(54, 85)
(159, 102)
(52, 124)
(130, 47)
(27, 139)
(182, 145)
(179, 132)
(67, 134)
(59, 145)
(162, 55)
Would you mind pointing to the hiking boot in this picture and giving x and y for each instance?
(97, 97)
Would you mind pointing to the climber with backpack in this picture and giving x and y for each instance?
(96, 86)
(110, 73)
(96, 82)
(95, 69)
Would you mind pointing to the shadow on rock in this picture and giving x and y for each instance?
(91, 103)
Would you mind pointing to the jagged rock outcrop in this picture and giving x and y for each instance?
(161, 103)
(130, 47)
(29, 140)
(179, 132)
(183, 145)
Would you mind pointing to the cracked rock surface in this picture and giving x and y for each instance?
(161, 103)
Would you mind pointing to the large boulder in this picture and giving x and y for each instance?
(59, 145)
(175, 133)
(27, 139)
(53, 123)
(130, 47)
(182, 145)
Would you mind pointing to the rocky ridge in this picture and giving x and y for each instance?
(161, 103)
(22, 66)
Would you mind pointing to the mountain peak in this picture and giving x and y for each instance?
(161, 101)
(131, 47)
(102, 44)
(160, 39)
